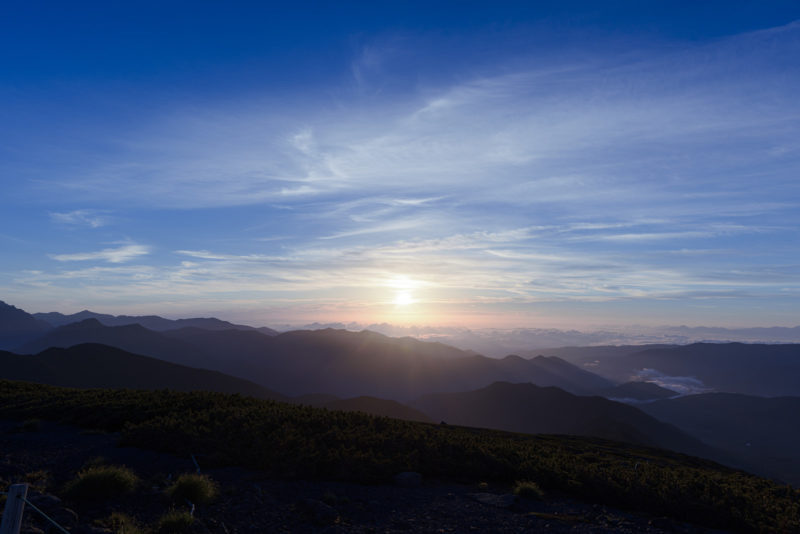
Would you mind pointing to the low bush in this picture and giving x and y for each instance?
(528, 490)
(193, 487)
(120, 523)
(101, 482)
(174, 522)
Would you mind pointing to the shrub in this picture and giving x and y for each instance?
(528, 490)
(194, 487)
(120, 523)
(101, 482)
(174, 522)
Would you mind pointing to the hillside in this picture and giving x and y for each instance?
(101, 366)
(18, 326)
(763, 432)
(638, 391)
(293, 441)
(375, 406)
(536, 410)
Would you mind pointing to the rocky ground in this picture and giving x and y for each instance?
(47, 455)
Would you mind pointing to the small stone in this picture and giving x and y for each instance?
(408, 479)
(505, 500)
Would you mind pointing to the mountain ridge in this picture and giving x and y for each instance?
(337, 362)
(92, 365)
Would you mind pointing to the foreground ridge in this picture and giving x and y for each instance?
(301, 442)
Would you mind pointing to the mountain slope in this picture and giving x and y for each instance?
(763, 432)
(639, 391)
(536, 410)
(132, 338)
(18, 326)
(582, 378)
(101, 366)
(286, 441)
(375, 406)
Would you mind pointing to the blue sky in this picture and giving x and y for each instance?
(455, 163)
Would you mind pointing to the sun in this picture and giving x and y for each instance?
(403, 298)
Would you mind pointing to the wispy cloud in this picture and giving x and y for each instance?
(535, 136)
(121, 254)
(658, 174)
(91, 218)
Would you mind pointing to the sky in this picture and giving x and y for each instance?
(484, 164)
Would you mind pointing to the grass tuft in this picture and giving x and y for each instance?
(528, 490)
(175, 522)
(193, 487)
(96, 483)
(120, 523)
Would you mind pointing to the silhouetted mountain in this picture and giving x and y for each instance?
(599, 359)
(640, 391)
(587, 381)
(336, 362)
(151, 322)
(99, 366)
(763, 432)
(346, 363)
(132, 338)
(537, 410)
(375, 406)
(17, 326)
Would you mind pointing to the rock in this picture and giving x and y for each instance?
(408, 479)
(505, 500)
(319, 512)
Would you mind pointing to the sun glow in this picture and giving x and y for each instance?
(403, 298)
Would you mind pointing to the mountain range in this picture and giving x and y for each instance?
(99, 366)
(151, 322)
(337, 362)
(550, 391)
